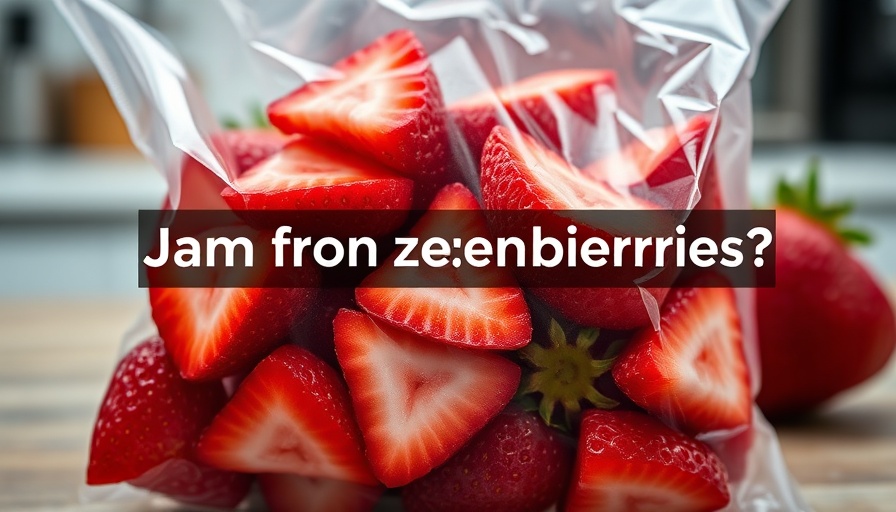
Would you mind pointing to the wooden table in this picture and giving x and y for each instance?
(56, 357)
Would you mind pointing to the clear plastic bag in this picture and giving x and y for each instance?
(675, 60)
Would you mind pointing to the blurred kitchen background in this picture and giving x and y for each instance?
(70, 182)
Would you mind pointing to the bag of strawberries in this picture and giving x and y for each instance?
(498, 396)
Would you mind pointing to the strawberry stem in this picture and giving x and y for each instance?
(564, 375)
(804, 197)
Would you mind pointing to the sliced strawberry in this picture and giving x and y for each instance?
(537, 105)
(147, 429)
(248, 147)
(387, 104)
(692, 372)
(518, 173)
(314, 175)
(214, 332)
(196, 484)
(291, 493)
(417, 402)
(629, 461)
(290, 415)
(468, 316)
(515, 464)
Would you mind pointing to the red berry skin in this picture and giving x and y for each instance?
(150, 415)
(825, 327)
(515, 464)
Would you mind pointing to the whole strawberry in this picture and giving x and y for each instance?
(147, 429)
(826, 326)
(515, 464)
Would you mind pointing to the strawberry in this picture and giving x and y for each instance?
(629, 461)
(520, 174)
(148, 426)
(248, 147)
(386, 105)
(692, 373)
(290, 493)
(314, 175)
(417, 402)
(515, 464)
(827, 325)
(290, 415)
(213, 332)
(467, 316)
(538, 105)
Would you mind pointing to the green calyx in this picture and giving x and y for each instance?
(804, 198)
(564, 375)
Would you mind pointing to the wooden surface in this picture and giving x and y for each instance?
(56, 357)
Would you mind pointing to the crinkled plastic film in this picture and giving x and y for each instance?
(674, 60)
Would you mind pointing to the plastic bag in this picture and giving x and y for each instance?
(675, 60)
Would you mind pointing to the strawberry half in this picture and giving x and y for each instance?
(467, 316)
(533, 105)
(387, 105)
(148, 426)
(290, 493)
(214, 332)
(629, 461)
(692, 373)
(515, 464)
(290, 415)
(417, 402)
(518, 173)
(314, 175)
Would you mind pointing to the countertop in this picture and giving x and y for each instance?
(56, 357)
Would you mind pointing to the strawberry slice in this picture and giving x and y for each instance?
(148, 426)
(315, 175)
(387, 105)
(467, 316)
(417, 402)
(518, 173)
(214, 332)
(629, 461)
(536, 105)
(692, 373)
(290, 415)
(289, 493)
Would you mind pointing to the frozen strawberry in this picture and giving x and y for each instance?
(692, 372)
(539, 105)
(515, 464)
(417, 402)
(314, 175)
(290, 415)
(518, 173)
(629, 461)
(468, 315)
(231, 322)
(386, 104)
(147, 428)
(290, 493)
